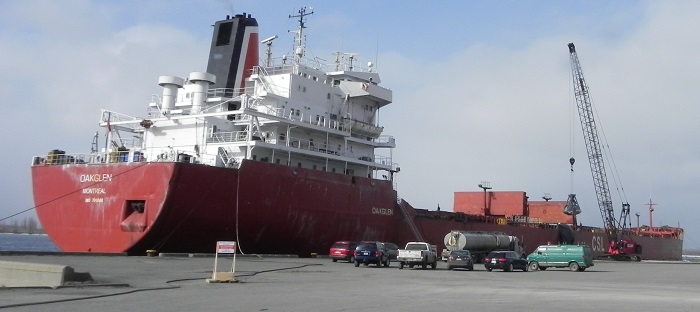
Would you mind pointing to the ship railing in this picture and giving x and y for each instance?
(281, 65)
(525, 220)
(130, 143)
(315, 120)
(276, 68)
(303, 144)
(262, 76)
(322, 121)
(383, 160)
(57, 157)
(183, 105)
(112, 116)
(225, 137)
(386, 139)
(664, 231)
(310, 145)
(108, 117)
(224, 92)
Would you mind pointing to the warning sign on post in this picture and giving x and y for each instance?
(226, 247)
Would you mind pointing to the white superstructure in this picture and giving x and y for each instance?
(298, 113)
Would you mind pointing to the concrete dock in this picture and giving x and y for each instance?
(178, 283)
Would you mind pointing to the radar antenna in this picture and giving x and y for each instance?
(299, 44)
(268, 50)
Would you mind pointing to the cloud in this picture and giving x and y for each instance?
(502, 115)
(471, 102)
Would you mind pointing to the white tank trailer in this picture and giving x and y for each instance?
(480, 243)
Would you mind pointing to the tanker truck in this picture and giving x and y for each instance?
(480, 243)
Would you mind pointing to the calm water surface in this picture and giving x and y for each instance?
(26, 242)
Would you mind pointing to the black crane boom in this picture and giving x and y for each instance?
(590, 135)
(617, 246)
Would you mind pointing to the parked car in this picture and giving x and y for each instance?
(505, 260)
(343, 250)
(371, 253)
(575, 257)
(393, 250)
(460, 259)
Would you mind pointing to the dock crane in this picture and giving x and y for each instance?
(619, 248)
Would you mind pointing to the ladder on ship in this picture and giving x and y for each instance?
(411, 224)
(226, 157)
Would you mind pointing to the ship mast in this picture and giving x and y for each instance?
(299, 44)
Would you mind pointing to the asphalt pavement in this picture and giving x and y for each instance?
(178, 283)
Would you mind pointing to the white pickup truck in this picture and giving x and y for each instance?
(417, 253)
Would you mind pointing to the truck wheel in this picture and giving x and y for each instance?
(534, 266)
(401, 265)
(357, 263)
(425, 264)
(573, 266)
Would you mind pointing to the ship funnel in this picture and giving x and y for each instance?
(170, 85)
(233, 53)
(201, 83)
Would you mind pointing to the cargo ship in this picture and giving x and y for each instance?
(284, 155)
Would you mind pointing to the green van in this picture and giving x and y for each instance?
(575, 257)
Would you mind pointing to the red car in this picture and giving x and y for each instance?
(343, 250)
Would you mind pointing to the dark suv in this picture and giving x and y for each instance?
(392, 249)
(343, 250)
(371, 252)
(505, 260)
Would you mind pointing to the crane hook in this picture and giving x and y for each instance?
(572, 161)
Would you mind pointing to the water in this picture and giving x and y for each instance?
(27, 242)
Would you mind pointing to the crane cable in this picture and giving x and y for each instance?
(572, 137)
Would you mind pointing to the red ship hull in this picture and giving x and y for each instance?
(434, 225)
(267, 208)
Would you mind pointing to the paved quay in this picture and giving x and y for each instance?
(124, 283)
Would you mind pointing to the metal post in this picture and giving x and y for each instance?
(485, 186)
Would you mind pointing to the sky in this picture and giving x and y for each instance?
(482, 89)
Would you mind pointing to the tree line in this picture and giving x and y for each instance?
(25, 226)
